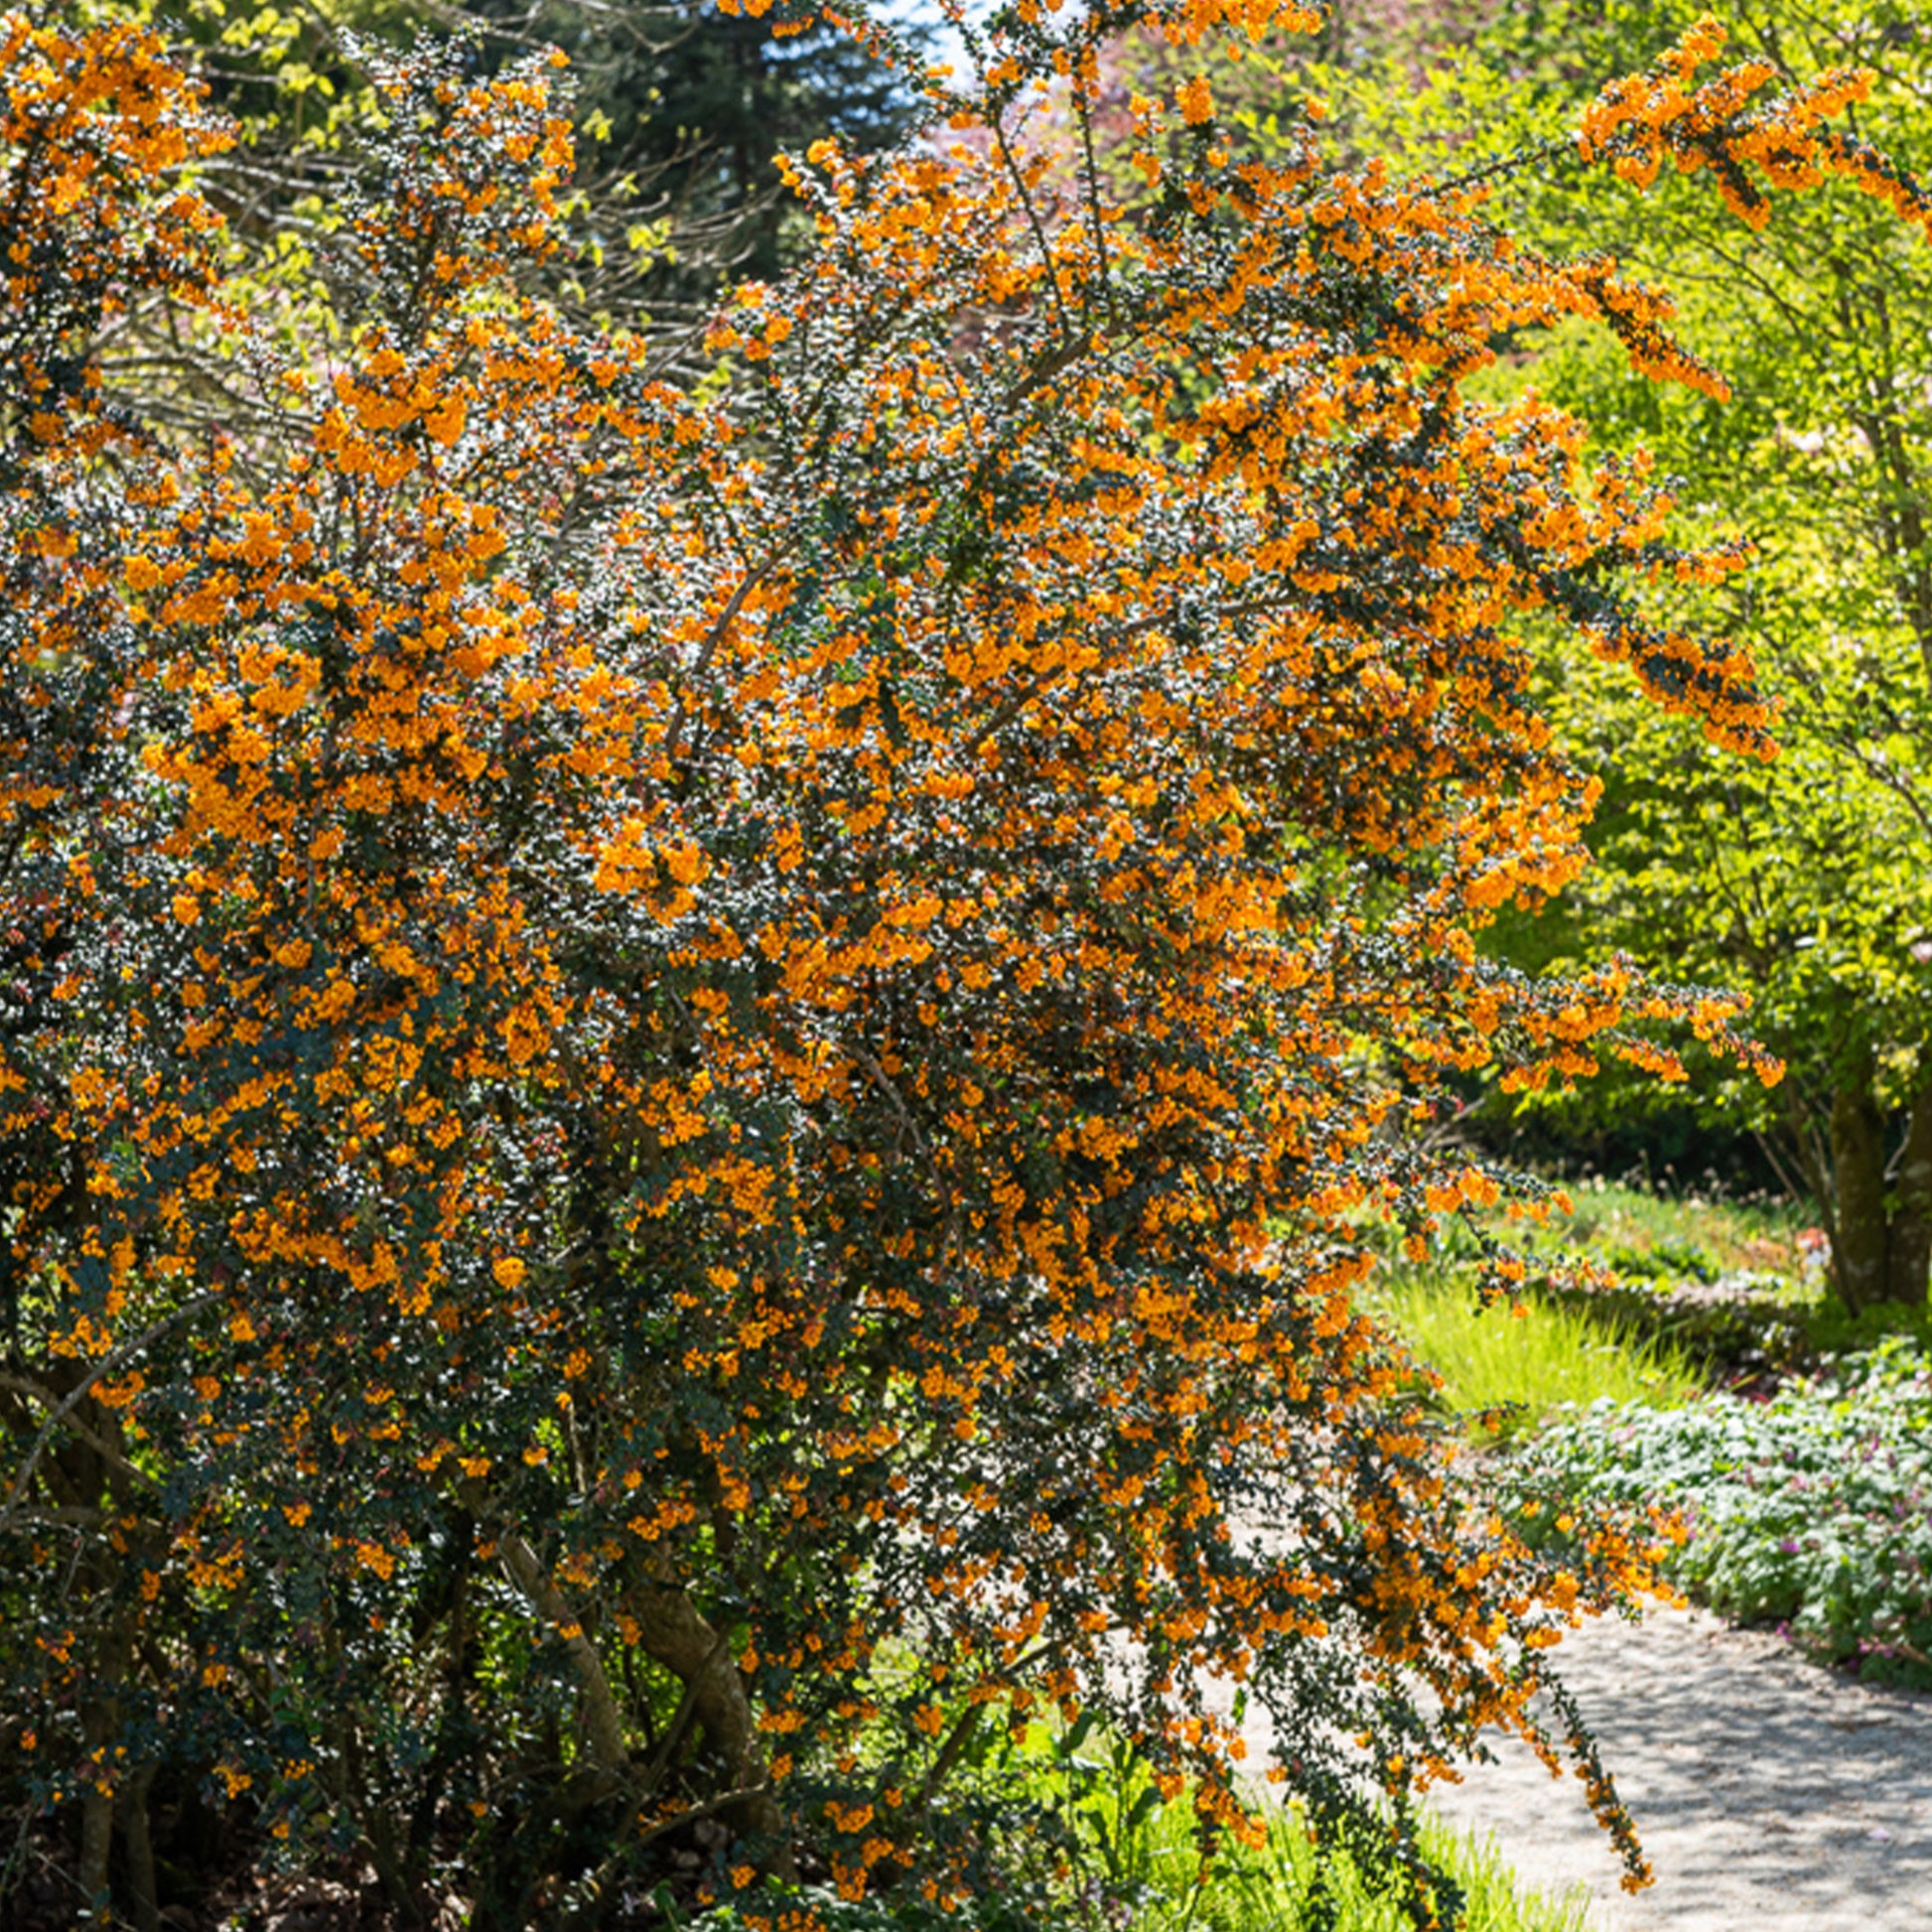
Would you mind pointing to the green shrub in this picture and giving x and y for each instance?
(1812, 1510)
(1833, 1329)
(1676, 1238)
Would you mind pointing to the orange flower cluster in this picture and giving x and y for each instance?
(1640, 122)
(85, 117)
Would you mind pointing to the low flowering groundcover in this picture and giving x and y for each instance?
(1811, 1510)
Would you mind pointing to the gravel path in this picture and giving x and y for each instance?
(1772, 1795)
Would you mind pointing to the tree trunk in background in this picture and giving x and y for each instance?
(1881, 1223)
(1908, 1253)
(1858, 1209)
(131, 1814)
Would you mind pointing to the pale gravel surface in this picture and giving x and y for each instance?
(1772, 1795)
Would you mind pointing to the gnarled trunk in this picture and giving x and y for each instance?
(676, 1635)
(673, 1633)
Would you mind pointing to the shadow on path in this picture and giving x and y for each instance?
(1772, 1795)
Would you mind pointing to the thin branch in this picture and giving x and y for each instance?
(1083, 109)
(753, 578)
(1034, 222)
(100, 1443)
(106, 1366)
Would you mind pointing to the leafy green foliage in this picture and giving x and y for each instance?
(1803, 882)
(1136, 1859)
(1812, 1510)
(1148, 1865)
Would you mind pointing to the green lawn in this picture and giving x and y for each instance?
(1516, 1365)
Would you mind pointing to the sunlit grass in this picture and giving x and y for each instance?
(1526, 1360)
(1660, 1239)
(1151, 1854)
(1272, 1889)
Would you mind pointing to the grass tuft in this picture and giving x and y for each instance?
(1528, 1361)
(1272, 1887)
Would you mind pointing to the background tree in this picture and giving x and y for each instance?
(682, 110)
(694, 1067)
(1804, 882)
(699, 103)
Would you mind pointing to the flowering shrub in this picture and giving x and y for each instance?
(665, 1046)
(1812, 1510)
